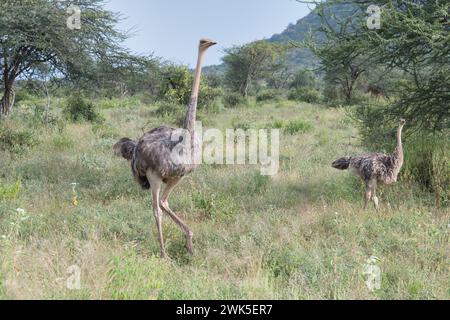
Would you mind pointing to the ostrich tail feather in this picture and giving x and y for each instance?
(342, 163)
(125, 148)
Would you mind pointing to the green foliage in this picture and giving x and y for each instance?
(9, 191)
(309, 95)
(303, 78)
(293, 127)
(269, 95)
(16, 140)
(176, 87)
(34, 33)
(215, 206)
(350, 51)
(166, 109)
(427, 162)
(79, 109)
(233, 100)
(63, 141)
(123, 103)
(249, 63)
(298, 126)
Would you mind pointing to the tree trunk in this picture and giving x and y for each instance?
(7, 101)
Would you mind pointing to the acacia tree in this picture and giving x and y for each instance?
(36, 32)
(252, 62)
(413, 39)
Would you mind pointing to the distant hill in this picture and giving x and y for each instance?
(311, 23)
(299, 57)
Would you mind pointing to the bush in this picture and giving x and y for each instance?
(293, 127)
(79, 109)
(16, 140)
(9, 191)
(167, 109)
(126, 102)
(233, 99)
(303, 79)
(269, 95)
(298, 126)
(427, 162)
(176, 87)
(309, 95)
(331, 94)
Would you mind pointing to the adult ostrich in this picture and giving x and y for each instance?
(375, 168)
(155, 158)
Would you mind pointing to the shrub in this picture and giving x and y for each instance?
(269, 95)
(309, 95)
(208, 97)
(293, 127)
(298, 126)
(238, 123)
(9, 191)
(176, 87)
(215, 206)
(126, 102)
(41, 115)
(233, 99)
(303, 78)
(427, 162)
(63, 141)
(79, 109)
(168, 109)
(17, 140)
(331, 94)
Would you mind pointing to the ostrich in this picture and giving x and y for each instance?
(375, 168)
(152, 158)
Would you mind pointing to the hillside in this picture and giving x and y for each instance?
(302, 57)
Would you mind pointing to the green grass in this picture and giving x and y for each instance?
(301, 234)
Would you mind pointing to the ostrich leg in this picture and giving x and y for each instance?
(165, 206)
(156, 188)
(367, 196)
(375, 198)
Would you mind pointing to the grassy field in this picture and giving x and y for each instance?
(301, 234)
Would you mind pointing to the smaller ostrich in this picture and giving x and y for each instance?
(375, 168)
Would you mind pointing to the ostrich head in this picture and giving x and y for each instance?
(125, 148)
(402, 122)
(206, 43)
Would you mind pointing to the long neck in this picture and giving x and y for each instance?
(398, 152)
(191, 114)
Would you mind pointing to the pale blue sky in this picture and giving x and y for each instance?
(172, 28)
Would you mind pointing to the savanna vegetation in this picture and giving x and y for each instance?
(66, 201)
